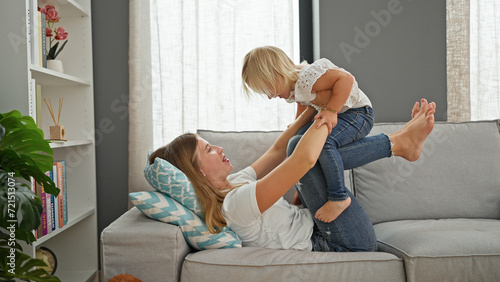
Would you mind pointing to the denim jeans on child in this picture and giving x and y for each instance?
(352, 125)
(352, 230)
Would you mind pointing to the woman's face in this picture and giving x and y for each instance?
(212, 162)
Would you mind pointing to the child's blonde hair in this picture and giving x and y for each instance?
(264, 68)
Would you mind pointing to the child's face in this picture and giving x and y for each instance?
(283, 91)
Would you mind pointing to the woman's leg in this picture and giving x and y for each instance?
(352, 230)
(352, 125)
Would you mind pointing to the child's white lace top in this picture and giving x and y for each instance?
(309, 75)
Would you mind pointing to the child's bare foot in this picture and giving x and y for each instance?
(417, 109)
(409, 141)
(332, 209)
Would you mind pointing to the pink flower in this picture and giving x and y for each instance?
(48, 32)
(61, 34)
(53, 33)
(51, 15)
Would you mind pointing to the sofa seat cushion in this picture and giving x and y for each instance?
(260, 264)
(444, 250)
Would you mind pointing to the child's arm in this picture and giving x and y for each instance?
(340, 82)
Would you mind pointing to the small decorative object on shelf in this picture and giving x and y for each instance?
(47, 256)
(56, 131)
(54, 34)
(55, 65)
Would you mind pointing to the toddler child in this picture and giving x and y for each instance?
(346, 111)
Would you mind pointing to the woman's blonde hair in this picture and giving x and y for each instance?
(264, 68)
(181, 153)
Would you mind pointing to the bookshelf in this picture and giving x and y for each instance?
(76, 243)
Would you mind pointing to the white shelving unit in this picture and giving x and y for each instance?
(75, 244)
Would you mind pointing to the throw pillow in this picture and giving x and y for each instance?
(167, 179)
(163, 208)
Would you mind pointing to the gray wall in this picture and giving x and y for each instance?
(110, 51)
(396, 49)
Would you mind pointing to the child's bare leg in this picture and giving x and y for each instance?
(409, 141)
(332, 209)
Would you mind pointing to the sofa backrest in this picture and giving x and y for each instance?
(242, 148)
(457, 176)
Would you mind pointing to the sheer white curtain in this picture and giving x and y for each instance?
(485, 59)
(185, 69)
(473, 59)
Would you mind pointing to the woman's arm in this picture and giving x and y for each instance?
(277, 153)
(280, 179)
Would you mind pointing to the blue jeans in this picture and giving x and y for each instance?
(352, 230)
(352, 125)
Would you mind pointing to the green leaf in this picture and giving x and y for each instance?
(26, 203)
(24, 151)
(52, 52)
(60, 49)
(24, 268)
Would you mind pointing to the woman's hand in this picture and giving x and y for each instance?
(328, 118)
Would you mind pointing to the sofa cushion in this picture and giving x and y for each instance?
(168, 179)
(163, 208)
(260, 264)
(457, 176)
(444, 250)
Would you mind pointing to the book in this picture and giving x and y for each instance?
(38, 106)
(55, 201)
(42, 228)
(39, 34)
(43, 40)
(32, 110)
(33, 28)
(48, 204)
(38, 191)
(61, 201)
(65, 193)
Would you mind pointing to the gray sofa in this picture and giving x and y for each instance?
(437, 219)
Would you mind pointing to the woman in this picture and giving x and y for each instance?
(250, 201)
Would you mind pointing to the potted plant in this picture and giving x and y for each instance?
(24, 154)
(53, 34)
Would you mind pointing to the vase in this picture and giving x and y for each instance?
(55, 65)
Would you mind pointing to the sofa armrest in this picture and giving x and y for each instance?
(147, 249)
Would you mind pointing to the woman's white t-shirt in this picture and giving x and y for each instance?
(282, 226)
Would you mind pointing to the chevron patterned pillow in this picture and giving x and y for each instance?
(167, 179)
(163, 208)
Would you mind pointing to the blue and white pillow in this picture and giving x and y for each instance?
(163, 208)
(167, 179)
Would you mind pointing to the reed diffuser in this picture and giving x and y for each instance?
(56, 131)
